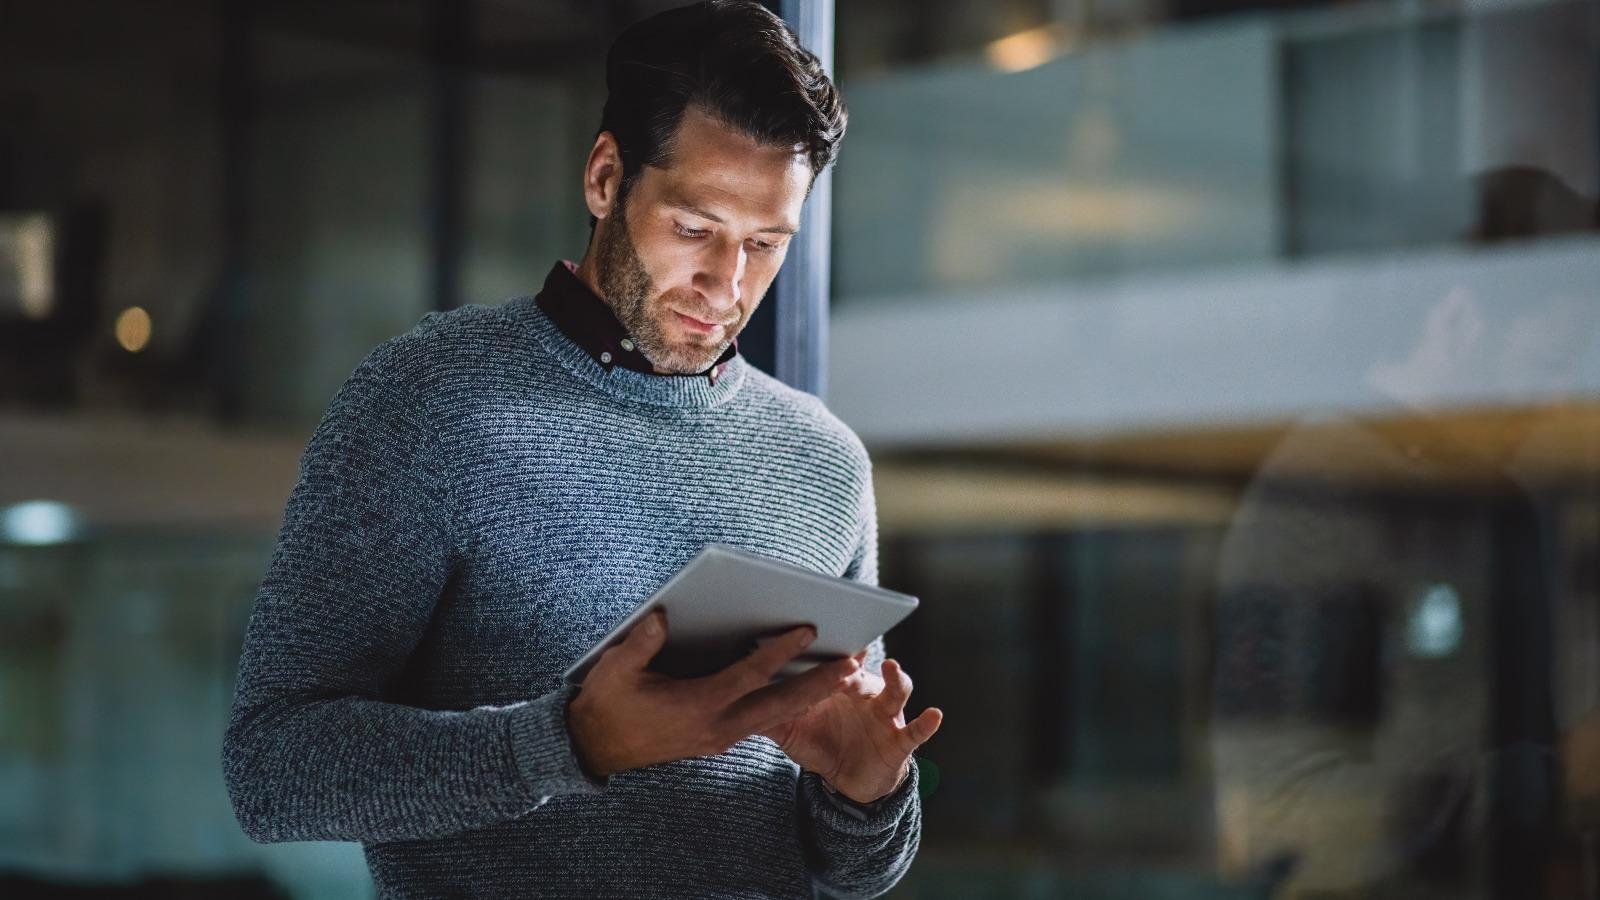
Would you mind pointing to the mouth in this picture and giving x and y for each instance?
(697, 325)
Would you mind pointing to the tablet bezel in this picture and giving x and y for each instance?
(781, 596)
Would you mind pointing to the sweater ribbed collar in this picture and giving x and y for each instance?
(686, 391)
(583, 316)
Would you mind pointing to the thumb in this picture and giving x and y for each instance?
(644, 640)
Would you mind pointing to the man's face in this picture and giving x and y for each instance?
(688, 255)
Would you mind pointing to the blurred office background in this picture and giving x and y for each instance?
(1229, 367)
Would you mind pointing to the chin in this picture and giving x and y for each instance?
(683, 364)
(688, 358)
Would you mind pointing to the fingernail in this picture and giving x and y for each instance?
(809, 636)
(652, 624)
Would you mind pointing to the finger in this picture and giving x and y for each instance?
(769, 657)
(924, 726)
(644, 640)
(763, 709)
(863, 685)
(896, 690)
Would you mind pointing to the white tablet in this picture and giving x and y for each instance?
(725, 600)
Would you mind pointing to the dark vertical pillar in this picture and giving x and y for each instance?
(451, 23)
(789, 335)
(1597, 130)
(897, 570)
(226, 354)
(1051, 649)
(1522, 773)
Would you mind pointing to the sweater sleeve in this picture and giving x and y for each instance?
(861, 852)
(315, 749)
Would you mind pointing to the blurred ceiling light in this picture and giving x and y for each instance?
(37, 522)
(982, 221)
(133, 329)
(35, 242)
(1027, 49)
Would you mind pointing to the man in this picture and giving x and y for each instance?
(489, 493)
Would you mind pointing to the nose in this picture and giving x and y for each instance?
(720, 275)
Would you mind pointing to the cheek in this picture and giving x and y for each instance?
(758, 277)
(762, 268)
(670, 267)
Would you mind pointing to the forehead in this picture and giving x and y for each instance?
(717, 167)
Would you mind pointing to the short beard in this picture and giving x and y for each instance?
(627, 288)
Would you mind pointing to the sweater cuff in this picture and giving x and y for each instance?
(840, 813)
(543, 747)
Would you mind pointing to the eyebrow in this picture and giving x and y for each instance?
(770, 229)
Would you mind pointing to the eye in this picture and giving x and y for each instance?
(764, 246)
(689, 232)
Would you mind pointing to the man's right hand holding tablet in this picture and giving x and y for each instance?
(627, 716)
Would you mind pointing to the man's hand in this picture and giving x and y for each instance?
(626, 716)
(858, 739)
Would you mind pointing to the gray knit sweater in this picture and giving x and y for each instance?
(481, 503)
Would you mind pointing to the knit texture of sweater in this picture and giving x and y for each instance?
(479, 505)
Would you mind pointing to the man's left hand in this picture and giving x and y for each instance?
(858, 739)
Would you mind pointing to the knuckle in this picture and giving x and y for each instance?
(723, 693)
(738, 682)
(752, 670)
(720, 740)
(759, 676)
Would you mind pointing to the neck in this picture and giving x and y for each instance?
(591, 279)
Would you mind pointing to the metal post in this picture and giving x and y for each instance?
(1523, 776)
(451, 23)
(224, 346)
(800, 293)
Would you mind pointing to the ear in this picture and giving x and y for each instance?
(602, 175)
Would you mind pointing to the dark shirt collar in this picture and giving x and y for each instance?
(591, 324)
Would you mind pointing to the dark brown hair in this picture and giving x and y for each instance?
(733, 59)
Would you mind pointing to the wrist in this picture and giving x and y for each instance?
(855, 796)
(578, 727)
